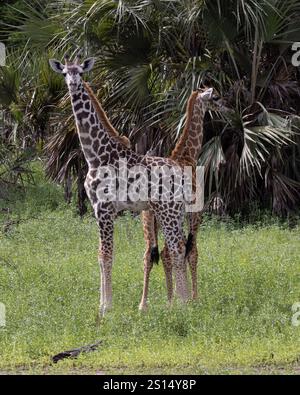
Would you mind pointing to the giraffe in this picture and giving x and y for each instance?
(103, 147)
(186, 152)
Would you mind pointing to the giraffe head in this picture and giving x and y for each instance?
(72, 72)
(210, 100)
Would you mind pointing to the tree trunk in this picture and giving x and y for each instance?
(68, 188)
(82, 209)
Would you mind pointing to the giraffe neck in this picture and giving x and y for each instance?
(189, 144)
(96, 142)
(195, 135)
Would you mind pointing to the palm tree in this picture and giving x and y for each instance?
(152, 54)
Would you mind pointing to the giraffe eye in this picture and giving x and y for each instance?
(81, 74)
(64, 74)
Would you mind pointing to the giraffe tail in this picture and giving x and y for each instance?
(154, 255)
(189, 244)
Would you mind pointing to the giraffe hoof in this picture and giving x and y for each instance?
(103, 310)
(99, 319)
(143, 307)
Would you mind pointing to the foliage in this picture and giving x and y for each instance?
(150, 55)
(14, 169)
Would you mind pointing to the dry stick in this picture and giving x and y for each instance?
(75, 352)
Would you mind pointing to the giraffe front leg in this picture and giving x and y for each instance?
(106, 282)
(102, 287)
(106, 263)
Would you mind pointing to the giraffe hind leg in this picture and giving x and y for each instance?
(147, 269)
(176, 247)
(192, 251)
(151, 254)
(167, 265)
(193, 262)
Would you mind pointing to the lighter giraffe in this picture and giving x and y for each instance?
(186, 152)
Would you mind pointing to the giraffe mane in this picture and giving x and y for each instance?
(180, 146)
(104, 119)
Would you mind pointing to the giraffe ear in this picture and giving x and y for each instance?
(88, 64)
(207, 95)
(56, 65)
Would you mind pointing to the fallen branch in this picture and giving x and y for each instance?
(75, 352)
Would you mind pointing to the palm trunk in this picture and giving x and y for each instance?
(81, 193)
(68, 188)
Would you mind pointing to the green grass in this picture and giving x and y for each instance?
(249, 277)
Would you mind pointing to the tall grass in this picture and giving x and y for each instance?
(49, 279)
